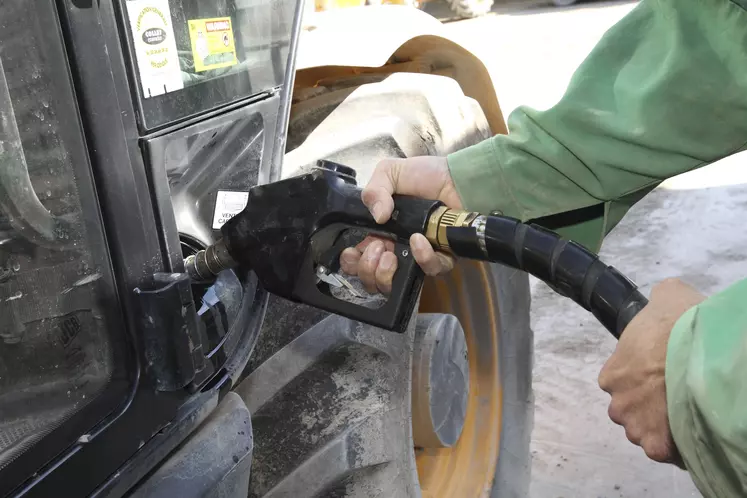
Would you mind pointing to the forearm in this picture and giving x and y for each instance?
(707, 402)
(664, 92)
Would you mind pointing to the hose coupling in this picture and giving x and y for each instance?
(209, 262)
(444, 218)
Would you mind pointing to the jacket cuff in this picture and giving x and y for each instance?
(480, 181)
(705, 369)
(679, 410)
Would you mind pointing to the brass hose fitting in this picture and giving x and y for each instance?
(443, 218)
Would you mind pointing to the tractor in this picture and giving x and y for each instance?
(130, 131)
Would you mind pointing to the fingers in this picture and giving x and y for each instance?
(349, 260)
(368, 264)
(660, 449)
(385, 272)
(611, 375)
(433, 263)
(375, 263)
(427, 177)
(372, 260)
(633, 435)
(616, 411)
(388, 243)
(351, 256)
(377, 196)
(605, 379)
(376, 266)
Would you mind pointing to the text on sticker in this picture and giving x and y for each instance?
(217, 26)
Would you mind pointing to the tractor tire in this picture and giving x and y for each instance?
(343, 409)
(469, 9)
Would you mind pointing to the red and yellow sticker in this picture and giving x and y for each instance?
(213, 45)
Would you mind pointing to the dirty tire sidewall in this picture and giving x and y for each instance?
(427, 115)
(516, 350)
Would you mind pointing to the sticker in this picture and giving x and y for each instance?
(155, 46)
(228, 205)
(212, 43)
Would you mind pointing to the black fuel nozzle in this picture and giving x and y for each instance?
(291, 234)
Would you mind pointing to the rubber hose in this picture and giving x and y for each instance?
(568, 268)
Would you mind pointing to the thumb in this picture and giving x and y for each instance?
(377, 196)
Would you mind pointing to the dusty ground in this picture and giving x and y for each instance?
(577, 452)
(531, 53)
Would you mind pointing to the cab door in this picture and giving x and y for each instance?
(65, 361)
(109, 357)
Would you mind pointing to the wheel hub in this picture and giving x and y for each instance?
(440, 381)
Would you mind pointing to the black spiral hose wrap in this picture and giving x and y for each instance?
(570, 269)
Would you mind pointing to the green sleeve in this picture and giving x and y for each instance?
(663, 92)
(706, 378)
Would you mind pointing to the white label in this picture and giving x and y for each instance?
(228, 205)
(155, 46)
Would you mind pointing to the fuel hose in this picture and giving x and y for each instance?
(567, 267)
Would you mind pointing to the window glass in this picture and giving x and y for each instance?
(194, 55)
(56, 291)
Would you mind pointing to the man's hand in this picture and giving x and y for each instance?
(373, 260)
(634, 374)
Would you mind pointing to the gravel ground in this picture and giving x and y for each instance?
(531, 53)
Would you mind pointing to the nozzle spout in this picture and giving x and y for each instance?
(209, 262)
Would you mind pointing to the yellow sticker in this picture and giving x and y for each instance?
(212, 43)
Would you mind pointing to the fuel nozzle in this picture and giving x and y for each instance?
(291, 235)
(208, 263)
(292, 232)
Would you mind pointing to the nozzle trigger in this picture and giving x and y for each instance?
(319, 268)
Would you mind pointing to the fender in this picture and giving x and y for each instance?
(389, 39)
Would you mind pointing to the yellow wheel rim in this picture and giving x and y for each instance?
(467, 469)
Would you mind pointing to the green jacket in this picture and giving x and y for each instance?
(664, 92)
